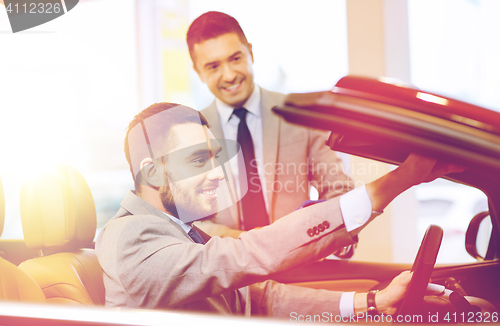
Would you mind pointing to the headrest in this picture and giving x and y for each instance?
(2, 207)
(57, 210)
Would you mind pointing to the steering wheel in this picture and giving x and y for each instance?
(422, 269)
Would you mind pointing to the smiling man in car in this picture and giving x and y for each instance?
(153, 257)
(241, 111)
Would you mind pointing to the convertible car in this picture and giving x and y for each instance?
(376, 119)
(386, 121)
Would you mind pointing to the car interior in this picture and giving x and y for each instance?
(59, 222)
(15, 285)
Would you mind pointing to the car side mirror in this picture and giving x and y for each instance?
(478, 235)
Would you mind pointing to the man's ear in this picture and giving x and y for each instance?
(202, 78)
(250, 50)
(150, 175)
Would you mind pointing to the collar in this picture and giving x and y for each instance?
(183, 225)
(136, 205)
(252, 105)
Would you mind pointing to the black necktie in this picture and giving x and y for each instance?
(195, 236)
(253, 205)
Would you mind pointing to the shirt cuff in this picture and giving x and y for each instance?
(356, 208)
(346, 304)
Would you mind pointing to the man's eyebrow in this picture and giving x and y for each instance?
(235, 54)
(211, 63)
(204, 152)
(199, 152)
(208, 64)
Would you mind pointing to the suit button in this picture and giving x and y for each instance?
(315, 230)
(326, 224)
(310, 232)
(321, 228)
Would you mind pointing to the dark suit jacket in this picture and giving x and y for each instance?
(295, 158)
(149, 261)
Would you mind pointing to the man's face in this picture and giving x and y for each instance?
(224, 63)
(193, 173)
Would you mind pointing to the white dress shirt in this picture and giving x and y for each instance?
(229, 124)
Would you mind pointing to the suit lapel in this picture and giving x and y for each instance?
(270, 136)
(137, 206)
(213, 120)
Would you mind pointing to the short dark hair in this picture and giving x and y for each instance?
(210, 25)
(157, 130)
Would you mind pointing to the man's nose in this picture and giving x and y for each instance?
(228, 73)
(216, 173)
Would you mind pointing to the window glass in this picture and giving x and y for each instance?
(450, 206)
(396, 235)
(71, 86)
(454, 49)
(69, 89)
(298, 46)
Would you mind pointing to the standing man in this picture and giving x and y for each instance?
(281, 160)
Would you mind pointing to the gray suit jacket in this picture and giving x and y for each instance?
(149, 261)
(295, 158)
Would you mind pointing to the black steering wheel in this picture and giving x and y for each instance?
(422, 269)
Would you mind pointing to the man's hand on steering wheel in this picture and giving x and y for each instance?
(388, 299)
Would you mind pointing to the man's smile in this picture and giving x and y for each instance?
(210, 192)
(233, 88)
